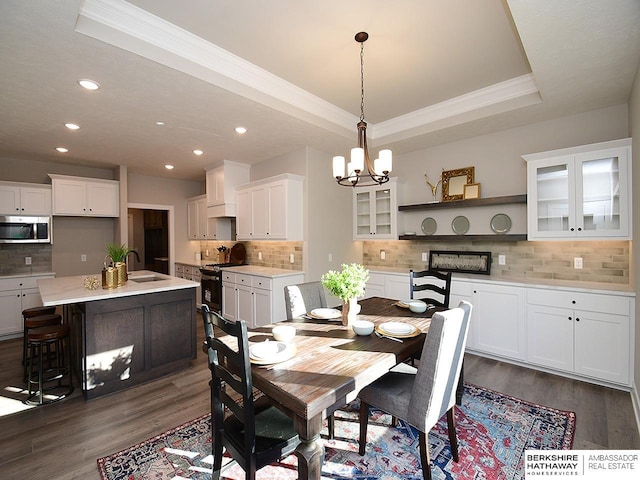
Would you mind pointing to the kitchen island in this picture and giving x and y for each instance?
(127, 335)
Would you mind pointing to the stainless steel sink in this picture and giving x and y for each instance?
(146, 278)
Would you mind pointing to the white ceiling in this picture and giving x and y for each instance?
(289, 70)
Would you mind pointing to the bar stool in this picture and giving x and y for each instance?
(32, 321)
(29, 313)
(58, 364)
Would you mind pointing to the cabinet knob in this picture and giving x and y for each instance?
(569, 318)
(572, 229)
(573, 301)
(577, 319)
(579, 229)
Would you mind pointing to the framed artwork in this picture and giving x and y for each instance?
(453, 182)
(462, 262)
(472, 190)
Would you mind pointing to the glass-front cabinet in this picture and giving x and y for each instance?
(375, 212)
(580, 193)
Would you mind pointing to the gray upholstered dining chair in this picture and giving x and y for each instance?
(255, 433)
(303, 297)
(421, 396)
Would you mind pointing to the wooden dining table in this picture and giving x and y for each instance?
(330, 366)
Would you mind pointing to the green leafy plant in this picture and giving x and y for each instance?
(118, 253)
(348, 283)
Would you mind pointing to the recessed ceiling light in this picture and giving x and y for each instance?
(89, 84)
(160, 123)
(72, 126)
(62, 149)
(198, 152)
(241, 130)
(168, 167)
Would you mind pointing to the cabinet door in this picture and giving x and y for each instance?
(260, 213)
(397, 287)
(201, 206)
(69, 197)
(11, 307)
(602, 206)
(464, 291)
(602, 346)
(9, 200)
(245, 304)
(550, 336)
(551, 205)
(35, 201)
(215, 186)
(103, 199)
(374, 210)
(192, 220)
(277, 209)
(244, 215)
(499, 317)
(229, 301)
(262, 307)
(362, 227)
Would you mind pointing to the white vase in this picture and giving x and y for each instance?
(350, 311)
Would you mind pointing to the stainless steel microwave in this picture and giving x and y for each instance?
(25, 229)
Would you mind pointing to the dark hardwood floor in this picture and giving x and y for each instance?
(63, 440)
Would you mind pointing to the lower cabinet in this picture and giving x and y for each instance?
(580, 333)
(257, 300)
(17, 294)
(190, 272)
(388, 285)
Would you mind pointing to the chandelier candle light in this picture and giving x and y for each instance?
(360, 171)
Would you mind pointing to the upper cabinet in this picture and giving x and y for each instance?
(375, 212)
(221, 188)
(78, 196)
(580, 193)
(270, 209)
(202, 227)
(25, 199)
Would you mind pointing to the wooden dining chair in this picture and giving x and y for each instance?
(303, 297)
(435, 284)
(421, 396)
(254, 432)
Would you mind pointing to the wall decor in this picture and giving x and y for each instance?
(433, 186)
(472, 190)
(453, 182)
(463, 262)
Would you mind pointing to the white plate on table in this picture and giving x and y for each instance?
(325, 313)
(397, 328)
(266, 353)
(404, 303)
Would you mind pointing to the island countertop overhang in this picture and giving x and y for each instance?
(70, 290)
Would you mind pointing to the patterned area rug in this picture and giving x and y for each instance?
(494, 430)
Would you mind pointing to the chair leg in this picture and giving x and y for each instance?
(331, 426)
(425, 459)
(451, 427)
(364, 421)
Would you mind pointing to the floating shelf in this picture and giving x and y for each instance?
(472, 202)
(514, 237)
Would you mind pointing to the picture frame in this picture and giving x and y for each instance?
(461, 262)
(453, 182)
(471, 190)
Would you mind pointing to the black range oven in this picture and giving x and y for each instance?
(211, 282)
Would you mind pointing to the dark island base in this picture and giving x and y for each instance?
(122, 342)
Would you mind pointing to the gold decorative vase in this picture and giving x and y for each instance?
(121, 267)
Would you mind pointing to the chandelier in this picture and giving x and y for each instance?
(361, 172)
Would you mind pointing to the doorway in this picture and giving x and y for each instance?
(149, 233)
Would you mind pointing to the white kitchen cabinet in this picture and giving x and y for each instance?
(256, 299)
(393, 285)
(25, 199)
(191, 272)
(580, 193)
(202, 227)
(583, 333)
(17, 294)
(222, 182)
(78, 196)
(270, 209)
(375, 212)
(498, 319)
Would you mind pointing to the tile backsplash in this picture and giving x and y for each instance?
(274, 254)
(12, 258)
(603, 261)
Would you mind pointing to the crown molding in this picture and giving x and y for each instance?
(128, 27)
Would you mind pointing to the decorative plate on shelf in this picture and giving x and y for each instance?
(460, 225)
(429, 226)
(501, 223)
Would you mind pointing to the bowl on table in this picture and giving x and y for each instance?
(362, 327)
(417, 306)
(284, 333)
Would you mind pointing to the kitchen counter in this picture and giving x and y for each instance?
(128, 335)
(259, 271)
(68, 290)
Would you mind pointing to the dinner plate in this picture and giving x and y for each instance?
(460, 225)
(404, 303)
(325, 313)
(501, 223)
(397, 328)
(267, 353)
(414, 332)
(429, 226)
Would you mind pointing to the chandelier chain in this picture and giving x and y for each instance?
(361, 81)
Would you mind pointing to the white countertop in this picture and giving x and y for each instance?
(67, 290)
(263, 271)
